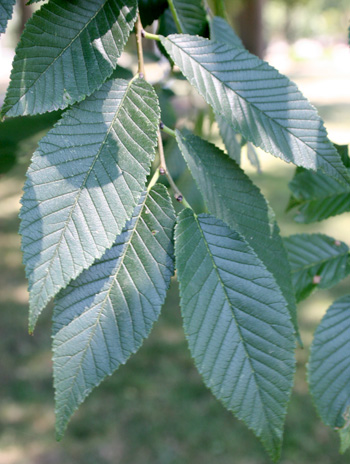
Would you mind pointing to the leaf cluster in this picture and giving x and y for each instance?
(101, 236)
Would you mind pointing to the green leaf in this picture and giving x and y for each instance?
(150, 10)
(253, 157)
(191, 16)
(68, 49)
(258, 102)
(232, 197)
(103, 316)
(329, 368)
(343, 151)
(83, 184)
(317, 261)
(20, 134)
(229, 137)
(221, 31)
(317, 196)
(6, 10)
(237, 324)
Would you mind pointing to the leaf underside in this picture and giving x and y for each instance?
(103, 316)
(237, 324)
(329, 368)
(317, 196)
(232, 197)
(83, 184)
(6, 11)
(68, 49)
(261, 104)
(316, 256)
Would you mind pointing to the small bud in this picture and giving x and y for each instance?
(337, 242)
(179, 198)
(143, 33)
(161, 171)
(317, 279)
(161, 125)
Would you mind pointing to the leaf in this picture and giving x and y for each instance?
(329, 368)
(317, 261)
(232, 197)
(103, 316)
(6, 10)
(150, 10)
(221, 31)
(237, 324)
(229, 137)
(253, 157)
(317, 196)
(68, 49)
(83, 184)
(257, 101)
(191, 16)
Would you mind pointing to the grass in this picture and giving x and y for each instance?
(154, 410)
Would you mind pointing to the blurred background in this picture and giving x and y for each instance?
(156, 408)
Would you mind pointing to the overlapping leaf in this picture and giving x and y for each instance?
(150, 10)
(6, 10)
(66, 52)
(237, 324)
(229, 137)
(84, 183)
(103, 316)
(317, 261)
(329, 368)
(221, 31)
(261, 104)
(317, 196)
(191, 16)
(231, 196)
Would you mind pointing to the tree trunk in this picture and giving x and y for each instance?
(25, 12)
(250, 26)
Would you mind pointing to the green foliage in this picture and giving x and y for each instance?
(190, 15)
(97, 329)
(329, 368)
(98, 228)
(237, 324)
(317, 261)
(232, 197)
(72, 48)
(6, 10)
(79, 196)
(318, 196)
(258, 102)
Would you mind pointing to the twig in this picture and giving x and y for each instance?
(141, 64)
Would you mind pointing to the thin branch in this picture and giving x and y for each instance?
(141, 64)
(148, 35)
(163, 170)
(167, 129)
